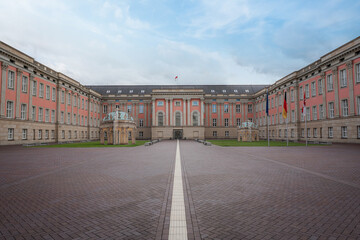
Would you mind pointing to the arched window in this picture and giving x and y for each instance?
(160, 119)
(195, 119)
(177, 119)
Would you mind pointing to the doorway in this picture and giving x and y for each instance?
(178, 133)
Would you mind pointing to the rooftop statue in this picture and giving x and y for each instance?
(117, 115)
(248, 124)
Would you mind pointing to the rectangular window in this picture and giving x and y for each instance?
(41, 90)
(313, 89)
(308, 132)
(331, 110)
(105, 109)
(344, 108)
(330, 83)
(238, 108)
(238, 122)
(11, 79)
(320, 86)
(141, 108)
(227, 133)
(34, 88)
(358, 105)
(48, 92)
(292, 133)
(10, 109)
(292, 95)
(62, 96)
(321, 111)
(250, 108)
(69, 132)
(41, 114)
(214, 122)
(24, 134)
(160, 103)
(343, 132)
(330, 132)
(343, 81)
(63, 134)
(226, 108)
(47, 113)
(62, 117)
(357, 72)
(10, 134)
(214, 133)
(292, 115)
(307, 94)
(69, 99)
(279, 132)
(141, 122)
(86, 104)
(314, 112)
(358, 131)
(195, 103)
(68, 118)
(214, 108)
(226, 122)
(301, 93)
(39, 134)
(82, 103)
(53, 95)
(141, 134)
(315, 132)
(280, 102)
(52, 116)
(302, 133)
(33, 113)
(23, 111)
(46, 134)
(308, 114)
(74, 102)
(86, 121)
(177, 103)
(25, 81)
(74, 119)
(129, 108)
(272, 103)
(280, 118)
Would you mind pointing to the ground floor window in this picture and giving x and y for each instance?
(308, 132)
(330, 132)
(279, 132)
(315, 132)
(302, 133)
(226, 133)
(52, 134)
(63, 134)
(358, 131)
(214, 133)
(40, 134)
(46, 134)
(69, 134)
(24, 134)
(320, 132)
(141, 134)
(10, 134)
(292, 133)
(344, 132)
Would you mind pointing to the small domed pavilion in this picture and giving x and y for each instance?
(117, 127)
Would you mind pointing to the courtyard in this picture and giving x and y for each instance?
(229, 192)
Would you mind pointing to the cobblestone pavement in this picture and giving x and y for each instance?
(274, 193)
(230, 193)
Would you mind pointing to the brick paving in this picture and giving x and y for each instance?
(230, 193)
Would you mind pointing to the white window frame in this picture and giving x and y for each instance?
(314, 112)
(33, 113)
(141, 122)
(10, 134)
(214, 108)
(226, 108)
(24, 134)
(330, 132)
(195, 103)
(24, 85)
(331, 109)
(330, 82)
(344, 132)
(62, 96)
(343, 80)
(238, 122)
(41, 90)
(34, 88)
(321, 111)
(47, 115)
(214, 122)
(320, 86)
(344, 108)
(226, 122)
(141, 108)
(47, 92)
(357, 73)
(53, 94)
(40, 114)
(23, 111)
(313, 89)
(52, 116)
(160, 103)
(11, 79)
(9, 109)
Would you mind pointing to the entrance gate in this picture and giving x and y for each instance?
(178, 133)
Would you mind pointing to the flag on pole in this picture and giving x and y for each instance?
(176, 77)
(267, 103)
(284, 111)
(304, 105)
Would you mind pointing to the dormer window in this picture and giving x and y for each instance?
(212, 90)
(235, 90)
(107, 91)
(119, 91)
(131, 91)
(246, 90)
(142, 91)
(224, 91)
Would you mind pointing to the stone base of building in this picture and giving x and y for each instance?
(177, 132)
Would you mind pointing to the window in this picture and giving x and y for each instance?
(86, 105)
(195, 103)
(272, 102)
(308, 113)
(292, 95)
(24, 134)
(226, 133)
(82, 103)
(214, 133)
(62, 117)
(10, 109)
(141, 108)
(195, 119)
(358, 131)
(46, 134)
(224, 91)
(69, 99)
(74, 120)
(47, 92)
(41, 90)
(331, 110)
(41, 114)
(313, 89)
(23, 111)
(292, 115)
(10, 134)
(330, 83)
(301, 93)
(105, 108)
(141, 122)
(160, 103)
(330, 132)
(160, 119)
(34, 90)
(11, 79)
(86, 122)
(250, 108)
(238, 108)
(62, 96)
(238, 122)
(302, 133)
(47, 113)
(279, 133)
(358, 105)
(141, 134)
(69, 136)
(129, 108)
(68, 118)
(315, 132)
(320, 130)
(214, 122)
(343, 81)
(226, 108)
(307, 94)
(314, 112)
(343, 132)
(177, 103)
(33, 113)
(280, 102)
(214, 108)
(75, 134)
(53, 95)
(344, 108)
(39, 134)
(280, 118)
(74, 103)
(131, 91)
(320, 86)
(357, 72)
(321, 111)
(63, 134)
(52, 116)
(24, 87)
(292, 133)
(226, 122)
(308, 132)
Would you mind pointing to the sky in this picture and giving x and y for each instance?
(130, 42)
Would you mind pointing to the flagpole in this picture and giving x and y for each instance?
(287, 133)
(268, 131)
(305, 127)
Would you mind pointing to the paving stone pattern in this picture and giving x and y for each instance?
(249, 193)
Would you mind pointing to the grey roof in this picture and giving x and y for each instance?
(147, 89)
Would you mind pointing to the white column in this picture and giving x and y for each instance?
(166, 112)
(184, 112)
(171, 112)
(153, 112)
(188, 113)
(202, 113)
(18, 89)
(4, 67)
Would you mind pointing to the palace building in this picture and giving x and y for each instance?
(40, 105)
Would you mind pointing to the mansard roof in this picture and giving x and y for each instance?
(147, 89)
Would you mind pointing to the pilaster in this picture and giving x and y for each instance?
(4, 68)
(336, 88)
(171, 112)
(202, 113)
(349, 67)
(18, 89)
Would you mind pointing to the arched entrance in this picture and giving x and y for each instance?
(178, 133)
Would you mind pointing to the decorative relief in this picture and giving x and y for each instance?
(4, 66)
(334, 70)
(349, 65)
(19, 72)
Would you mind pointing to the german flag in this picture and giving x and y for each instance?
(284, 112)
